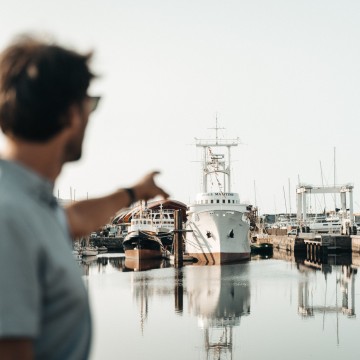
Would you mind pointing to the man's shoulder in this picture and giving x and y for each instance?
(12, 199)
(17, 207)
(22, 190)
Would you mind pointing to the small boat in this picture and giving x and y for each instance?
(101, 249)
(89, 251)
(261, 248)
(142, 242)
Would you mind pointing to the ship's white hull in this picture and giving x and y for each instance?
(218, 236)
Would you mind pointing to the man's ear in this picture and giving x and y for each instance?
(73, 117)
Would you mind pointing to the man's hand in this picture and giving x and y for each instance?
(146, 188)
(13, 349)
(88, 215)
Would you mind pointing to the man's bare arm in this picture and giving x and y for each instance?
(89, 215)
(14, 349)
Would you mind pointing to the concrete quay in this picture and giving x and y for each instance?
(310, 242)
(280, 242)
(327, 242)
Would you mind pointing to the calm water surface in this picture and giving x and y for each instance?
(275, 308)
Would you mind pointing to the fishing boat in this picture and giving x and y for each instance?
(162, 213)
(218, 222)
(142, 242)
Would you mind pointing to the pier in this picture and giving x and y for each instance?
(327, 242)
(313, 244)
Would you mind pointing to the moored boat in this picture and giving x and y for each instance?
(218, 221)
(102, 249)
(89, 251)
(162, 213)
(142, 242)
(261, 248)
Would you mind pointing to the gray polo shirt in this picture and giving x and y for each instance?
(42, 295)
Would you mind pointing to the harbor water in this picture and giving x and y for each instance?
(266, 308)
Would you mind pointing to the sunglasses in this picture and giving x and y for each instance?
(93, 102)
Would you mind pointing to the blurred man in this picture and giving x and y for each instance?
(44, 110)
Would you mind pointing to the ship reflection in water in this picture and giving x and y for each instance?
(218, 303)
(151, 310)
(217, 296)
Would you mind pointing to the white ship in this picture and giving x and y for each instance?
(219, 223)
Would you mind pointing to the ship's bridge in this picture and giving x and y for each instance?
(217, 198)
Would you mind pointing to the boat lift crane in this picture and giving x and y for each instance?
(303, 190)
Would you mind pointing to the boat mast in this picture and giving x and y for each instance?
(286, 209)
(205, 170)
(322, 183)
(209, 157)
(255, 193)
(289, 199)
(229, 173)
(335, 176)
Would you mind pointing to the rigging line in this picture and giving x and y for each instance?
(216, 167)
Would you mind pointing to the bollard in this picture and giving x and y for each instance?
(178, 243)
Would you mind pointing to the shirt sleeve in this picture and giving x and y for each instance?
(20, 290)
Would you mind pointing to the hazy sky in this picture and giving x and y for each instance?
(284, 76)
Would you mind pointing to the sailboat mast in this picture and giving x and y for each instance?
(255, 193)
(335, 175)
(285, 200)
(289, 197)
(322, 183)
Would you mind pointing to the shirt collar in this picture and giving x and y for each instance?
(29, 181)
